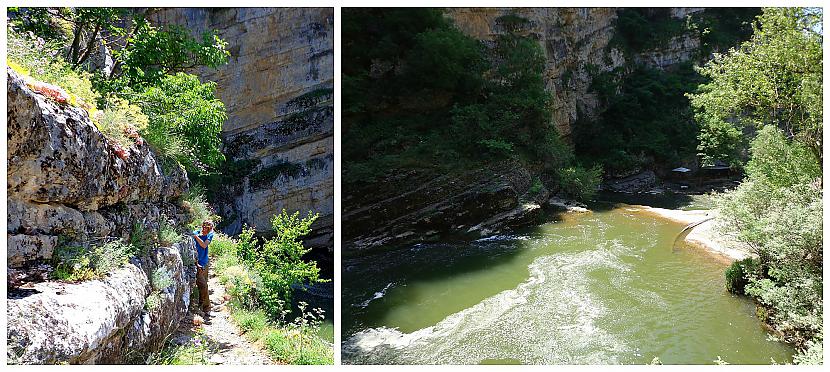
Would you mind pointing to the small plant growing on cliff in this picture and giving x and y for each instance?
(161, 278)
(141, 239)
(197, 207)
(121, 122)
(167, 234)
(78, 263)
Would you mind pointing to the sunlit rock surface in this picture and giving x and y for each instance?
(278, 90)
(67, 185)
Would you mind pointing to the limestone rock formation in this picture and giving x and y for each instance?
(413, 206)
(573, 39)
(67, 185)
(99, 321)
(64, 179)
(278, 89)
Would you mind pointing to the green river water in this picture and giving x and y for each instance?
(606, 287)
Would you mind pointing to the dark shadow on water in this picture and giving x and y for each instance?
(667, 200)
(367, 278)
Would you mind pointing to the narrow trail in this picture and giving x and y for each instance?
(225, 342)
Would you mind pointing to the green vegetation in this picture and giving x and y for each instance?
(185, 120)
(580, 182)
(647, 121)
(160, 279)
(167, 234)
(78, 263)
(772, 79)
(737, 274)
(178, 116)
(258, 277)
(422, 95)
(771, 83)
(197, 208)
(191, 353)
(278, 261)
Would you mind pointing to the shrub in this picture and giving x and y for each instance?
(777, 211)
(141, 239)
(279, 262)
(77, 263)
(737, 275)
(222, 245)
(253, 321)
(120, 121)
(295, 347)
(579, 182)
(197, 207)
(185, 120)
(167, 234)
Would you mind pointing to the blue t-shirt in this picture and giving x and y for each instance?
(202, 253)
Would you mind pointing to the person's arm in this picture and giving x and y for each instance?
(201, 242)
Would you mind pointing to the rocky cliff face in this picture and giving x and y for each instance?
(67, 185)
(414, 206)
(278, 89)
(573, 39)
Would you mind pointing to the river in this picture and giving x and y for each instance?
(606, 287)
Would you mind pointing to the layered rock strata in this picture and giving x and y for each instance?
(278, 90)
(414, 206)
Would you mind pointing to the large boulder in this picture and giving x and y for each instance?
(100, 321)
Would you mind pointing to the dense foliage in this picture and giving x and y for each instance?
(179, 116)
(647, 119)
(422, 95)
(185, 120)
(775, 78)
(772, 83)
(259, 279)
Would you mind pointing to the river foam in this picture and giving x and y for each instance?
(551, 318)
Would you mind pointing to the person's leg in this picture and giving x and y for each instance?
(201, 282)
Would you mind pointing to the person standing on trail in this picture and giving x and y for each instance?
(202, 239)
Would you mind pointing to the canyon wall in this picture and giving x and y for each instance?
(408, 207)
(278, 90)
(573, 39)
(69, 186)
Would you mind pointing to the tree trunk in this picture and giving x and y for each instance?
(89, 45)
